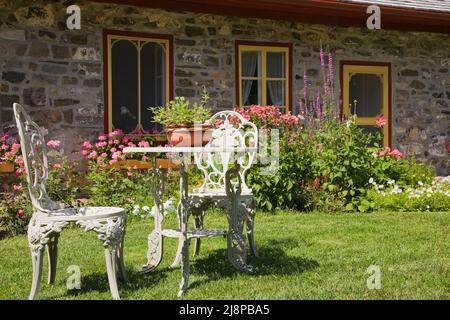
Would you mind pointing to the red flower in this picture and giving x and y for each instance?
(20, 213)
(381, 121)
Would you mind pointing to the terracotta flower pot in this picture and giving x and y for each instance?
(189, 135)
(6, 167)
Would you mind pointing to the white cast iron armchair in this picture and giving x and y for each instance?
(49, 217)
(232, 130)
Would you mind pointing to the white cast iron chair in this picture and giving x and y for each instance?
(232, 130)
(49, 218)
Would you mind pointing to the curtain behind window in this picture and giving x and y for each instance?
(249, 64)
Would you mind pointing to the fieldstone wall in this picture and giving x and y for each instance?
(57, 73)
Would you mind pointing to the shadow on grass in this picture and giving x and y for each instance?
(98, 282)
(271, 260)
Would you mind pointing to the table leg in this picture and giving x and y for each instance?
(237, 253)
(184, 241)
(155, 238)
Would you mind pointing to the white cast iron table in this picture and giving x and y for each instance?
(236, 254)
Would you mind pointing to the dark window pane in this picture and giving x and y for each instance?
(276, 64)
(124, 85)
(251, 91)
(367, 90)
(153, 83)
(251, 64)
(276, 93)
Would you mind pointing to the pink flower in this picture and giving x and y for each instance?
(15, 147)
(92, 155)
(396, 154)
(126, 139)
(57, 166)
(381, 122)
(84, 152)
(144, 144)
(19, 161)
(101, 144)
(117, 155)
(113, 149)
(113, 161)
(54, 144)
(5, 147)
(116, 133)
(20, 213)
(116, 141)
(19, 172)
(103, 137)
(144, 158)
(87, 145)
(130, 173)
(322, 57)
(17, 187)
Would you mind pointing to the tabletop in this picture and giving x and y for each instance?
(187, 149)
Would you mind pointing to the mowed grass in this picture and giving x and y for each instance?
(301, 256)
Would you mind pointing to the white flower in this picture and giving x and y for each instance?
(146, 208)
(391, 181)
(371, 180)
(420, 183)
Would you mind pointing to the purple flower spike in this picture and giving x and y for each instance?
(322, 58)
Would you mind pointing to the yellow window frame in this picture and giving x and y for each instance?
(139, 43)
(263, 50)
(383, 71)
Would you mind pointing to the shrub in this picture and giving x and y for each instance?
(117, 188)
(108, 149)
(326, 161)
(62, 186)
(15, 211)
(419, 197)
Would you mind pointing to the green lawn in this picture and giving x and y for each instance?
(302, 256)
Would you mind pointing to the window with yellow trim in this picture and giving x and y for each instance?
(138, 78)
(366, 94)
(264, 76)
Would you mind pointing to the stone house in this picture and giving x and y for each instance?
(129, 55)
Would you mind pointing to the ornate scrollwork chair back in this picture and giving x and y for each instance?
(34, 153)
(231, 130)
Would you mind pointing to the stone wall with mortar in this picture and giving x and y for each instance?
(57, 73)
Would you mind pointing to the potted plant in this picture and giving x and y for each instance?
(185, 124)
(9, 150)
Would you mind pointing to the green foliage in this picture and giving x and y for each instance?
(434, 197)
(15, 212)
(63, 183)
(179, 111)
(118, 188)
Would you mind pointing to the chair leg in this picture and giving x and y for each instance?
(250, 223)
(110, 233)
(52, 253)
(111, 269)
(41, 235)
(36, 259)
(121, 264)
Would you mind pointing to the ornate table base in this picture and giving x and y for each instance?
(240, 209)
